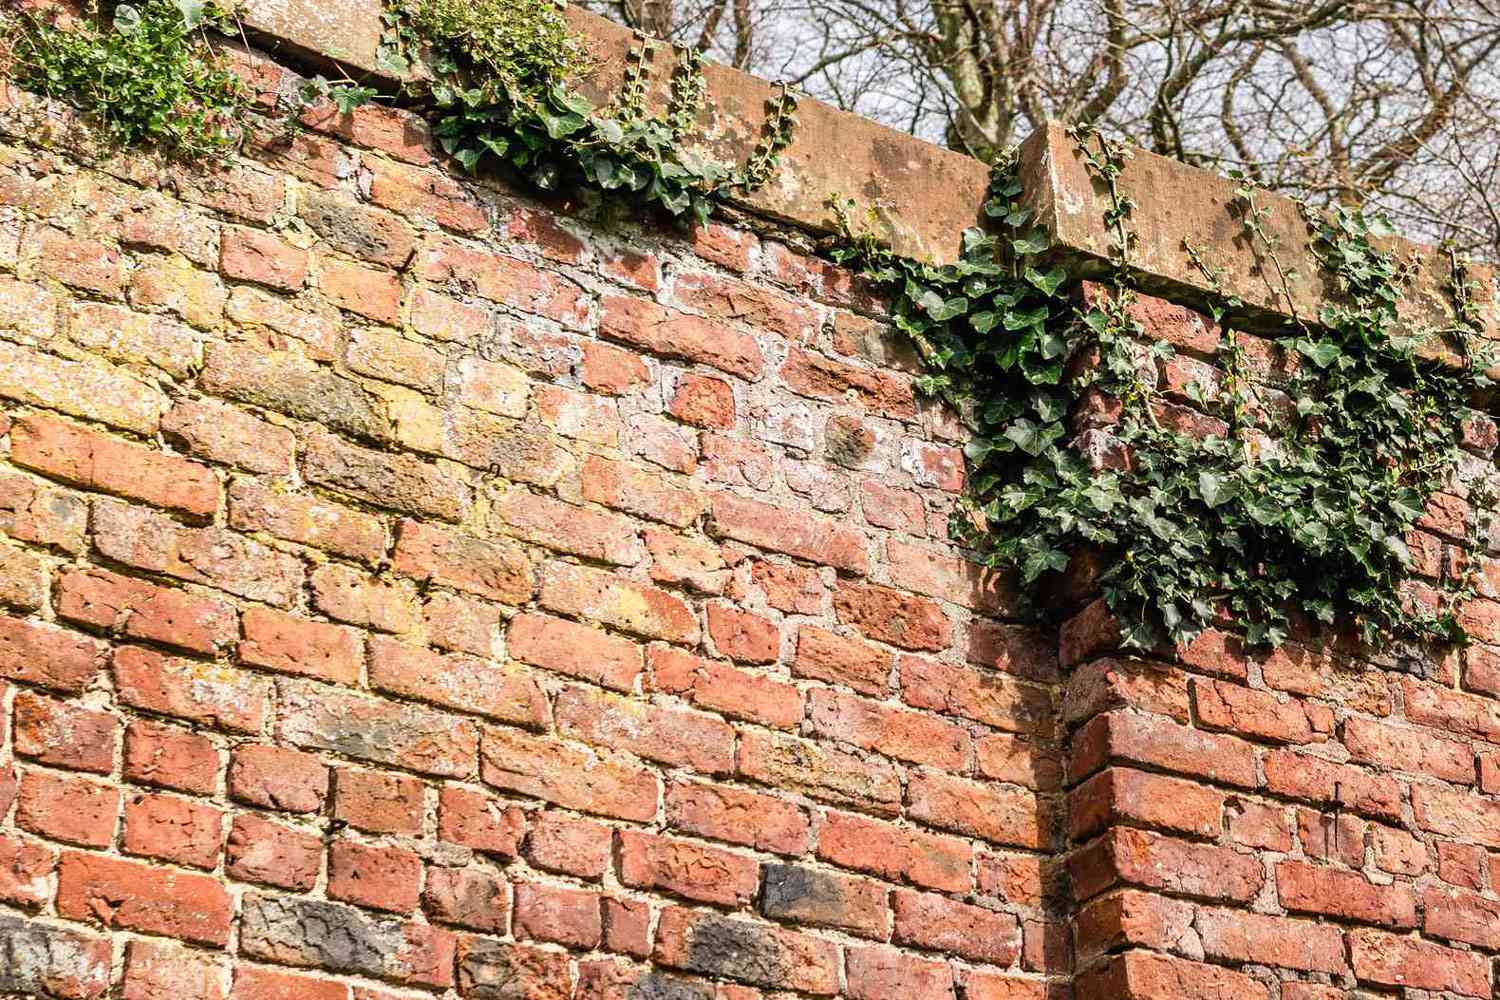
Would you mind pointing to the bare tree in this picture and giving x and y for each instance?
(1333, 100)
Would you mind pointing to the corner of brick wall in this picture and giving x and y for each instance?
(414, 589)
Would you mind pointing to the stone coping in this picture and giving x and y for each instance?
(921, 196)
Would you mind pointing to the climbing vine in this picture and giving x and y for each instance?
(504, 91)
(144, 73)
(1241, 502)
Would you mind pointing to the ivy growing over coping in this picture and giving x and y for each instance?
(504, 92)
(145, 74)
(1273, 500)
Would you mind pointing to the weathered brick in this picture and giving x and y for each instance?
(292, 385)
(476, 820)
(493, 968)
(683, 868)
(296, 518)
(381, 878)
(34, 512)
(171, 283)
(350, 596)
(98, 462)
(738, 817)
(63, 734)
(271, 854)
(576, 650)
(253, 255)
(141, 610)
(811, 897)
(1140, 857)
(1161, 743)
(382, 732)
(1260, 715)
(277, 778)
(670, 736)
(399, 481)
(430, 194)
(742, 635)
(340, 939)
(1390, 960)
(828, 656)
(293, 645)
(84, 264)
(210, 556)
(457, 680)
(171, 829)
(674, 334)
(937, 923)
(800, 535)
(472, 899)
(568, 844)
(1313, 779)
(503, 279)
(725, 689)
(265, 984)
(71, 810)
(698, 565)
(136, 897)
(566, 527)
(90, 390)
(557, 773)
(205, 693)
(1122, 795)
(489, 568)
(819, 771)
(565, 916)
(145, 343)
(810, 374)
(157, 754)
(1001, 815)
(993, 699)
(156, 971)
(758, 954)
(703, 402)
(896, 853)
(611, 600)
(874, 973)
(1138, 975)
(378, 802)
(636, 491)
(45, 960)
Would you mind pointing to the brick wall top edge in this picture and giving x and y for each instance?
(924, 196)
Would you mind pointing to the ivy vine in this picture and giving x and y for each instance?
(504, 92)
(1239, 504)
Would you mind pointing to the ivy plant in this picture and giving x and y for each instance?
(1248, 504)
(144, 73)
(504, 91)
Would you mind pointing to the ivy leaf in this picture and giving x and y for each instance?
(1047, 281)
(469, 157)
(1216, 490)
(192, 12)
(955, 306)
(127, 19)
(1033, 243)
(1320, 352)
(347, 98)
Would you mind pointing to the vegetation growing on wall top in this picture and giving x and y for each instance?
(145, 73)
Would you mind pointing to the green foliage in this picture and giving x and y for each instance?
(148, 76)
(504, 93)
(1298, 498)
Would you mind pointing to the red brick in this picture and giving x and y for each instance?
(704, 402)
(738, 462)
(1461, 865)
(729, 299)
(792, 589)
(140, 610)
(562, 843)
(475, 820)
(1161, 743)
(1233, 936)
(473, 899)
(462, 623)
(358, 230)
(261, 851)
(210, 556)
(172, 829)
(1260, 715)
(1305, 888)
(673, 334)
(1456, 711)
(819, 771)
(296, 646)
(1139, 975)
(565, 776)
(803, 536)
(67, 809)
(25, 873)
(997, 813)
(1408, 750)
(1457, 815)
(743, 636)
(617, 602)
(636, 491)
(350, 596)
(809, 374)
(276, 778)
(1120, 795)
(827, 656)
(135, 897)
(682, 868)
(485, 567)
(725, 689)
(85, 389)
(156, 971)
(936, 923)
(84, 264)
(1131, 917)
(253, 255)
(697, 565)
(738, 817)
(1108, 683)
(568, 917)
(806, 963)
(503, 279)
(1139, 857)
(1013, 649)
(491, 968)
(993, 699)
(36, 653)
(205, 693)
(253, 507)
(610, 370)
(265, 984)
(432, 194)
(1391, 960)
(404, 735)
(98, 462)
(896, 853)
(673, 737)
(157, 754)
(403, 482)
(1256, 824)
(457, 680)
(723, 245)
(880, 973)
(1017, 760)
(171, 283)
(378, 802)
(1313, 779)
(1463, 917)
(565, 527)
(64, 735)
(895, 732)
(1339, 837)
(897, 510)
(627, 926)
(382, 878)
(366, 291)
(573, 649)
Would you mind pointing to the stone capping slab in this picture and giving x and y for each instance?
(923, 196)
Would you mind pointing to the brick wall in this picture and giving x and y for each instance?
(412, 589)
